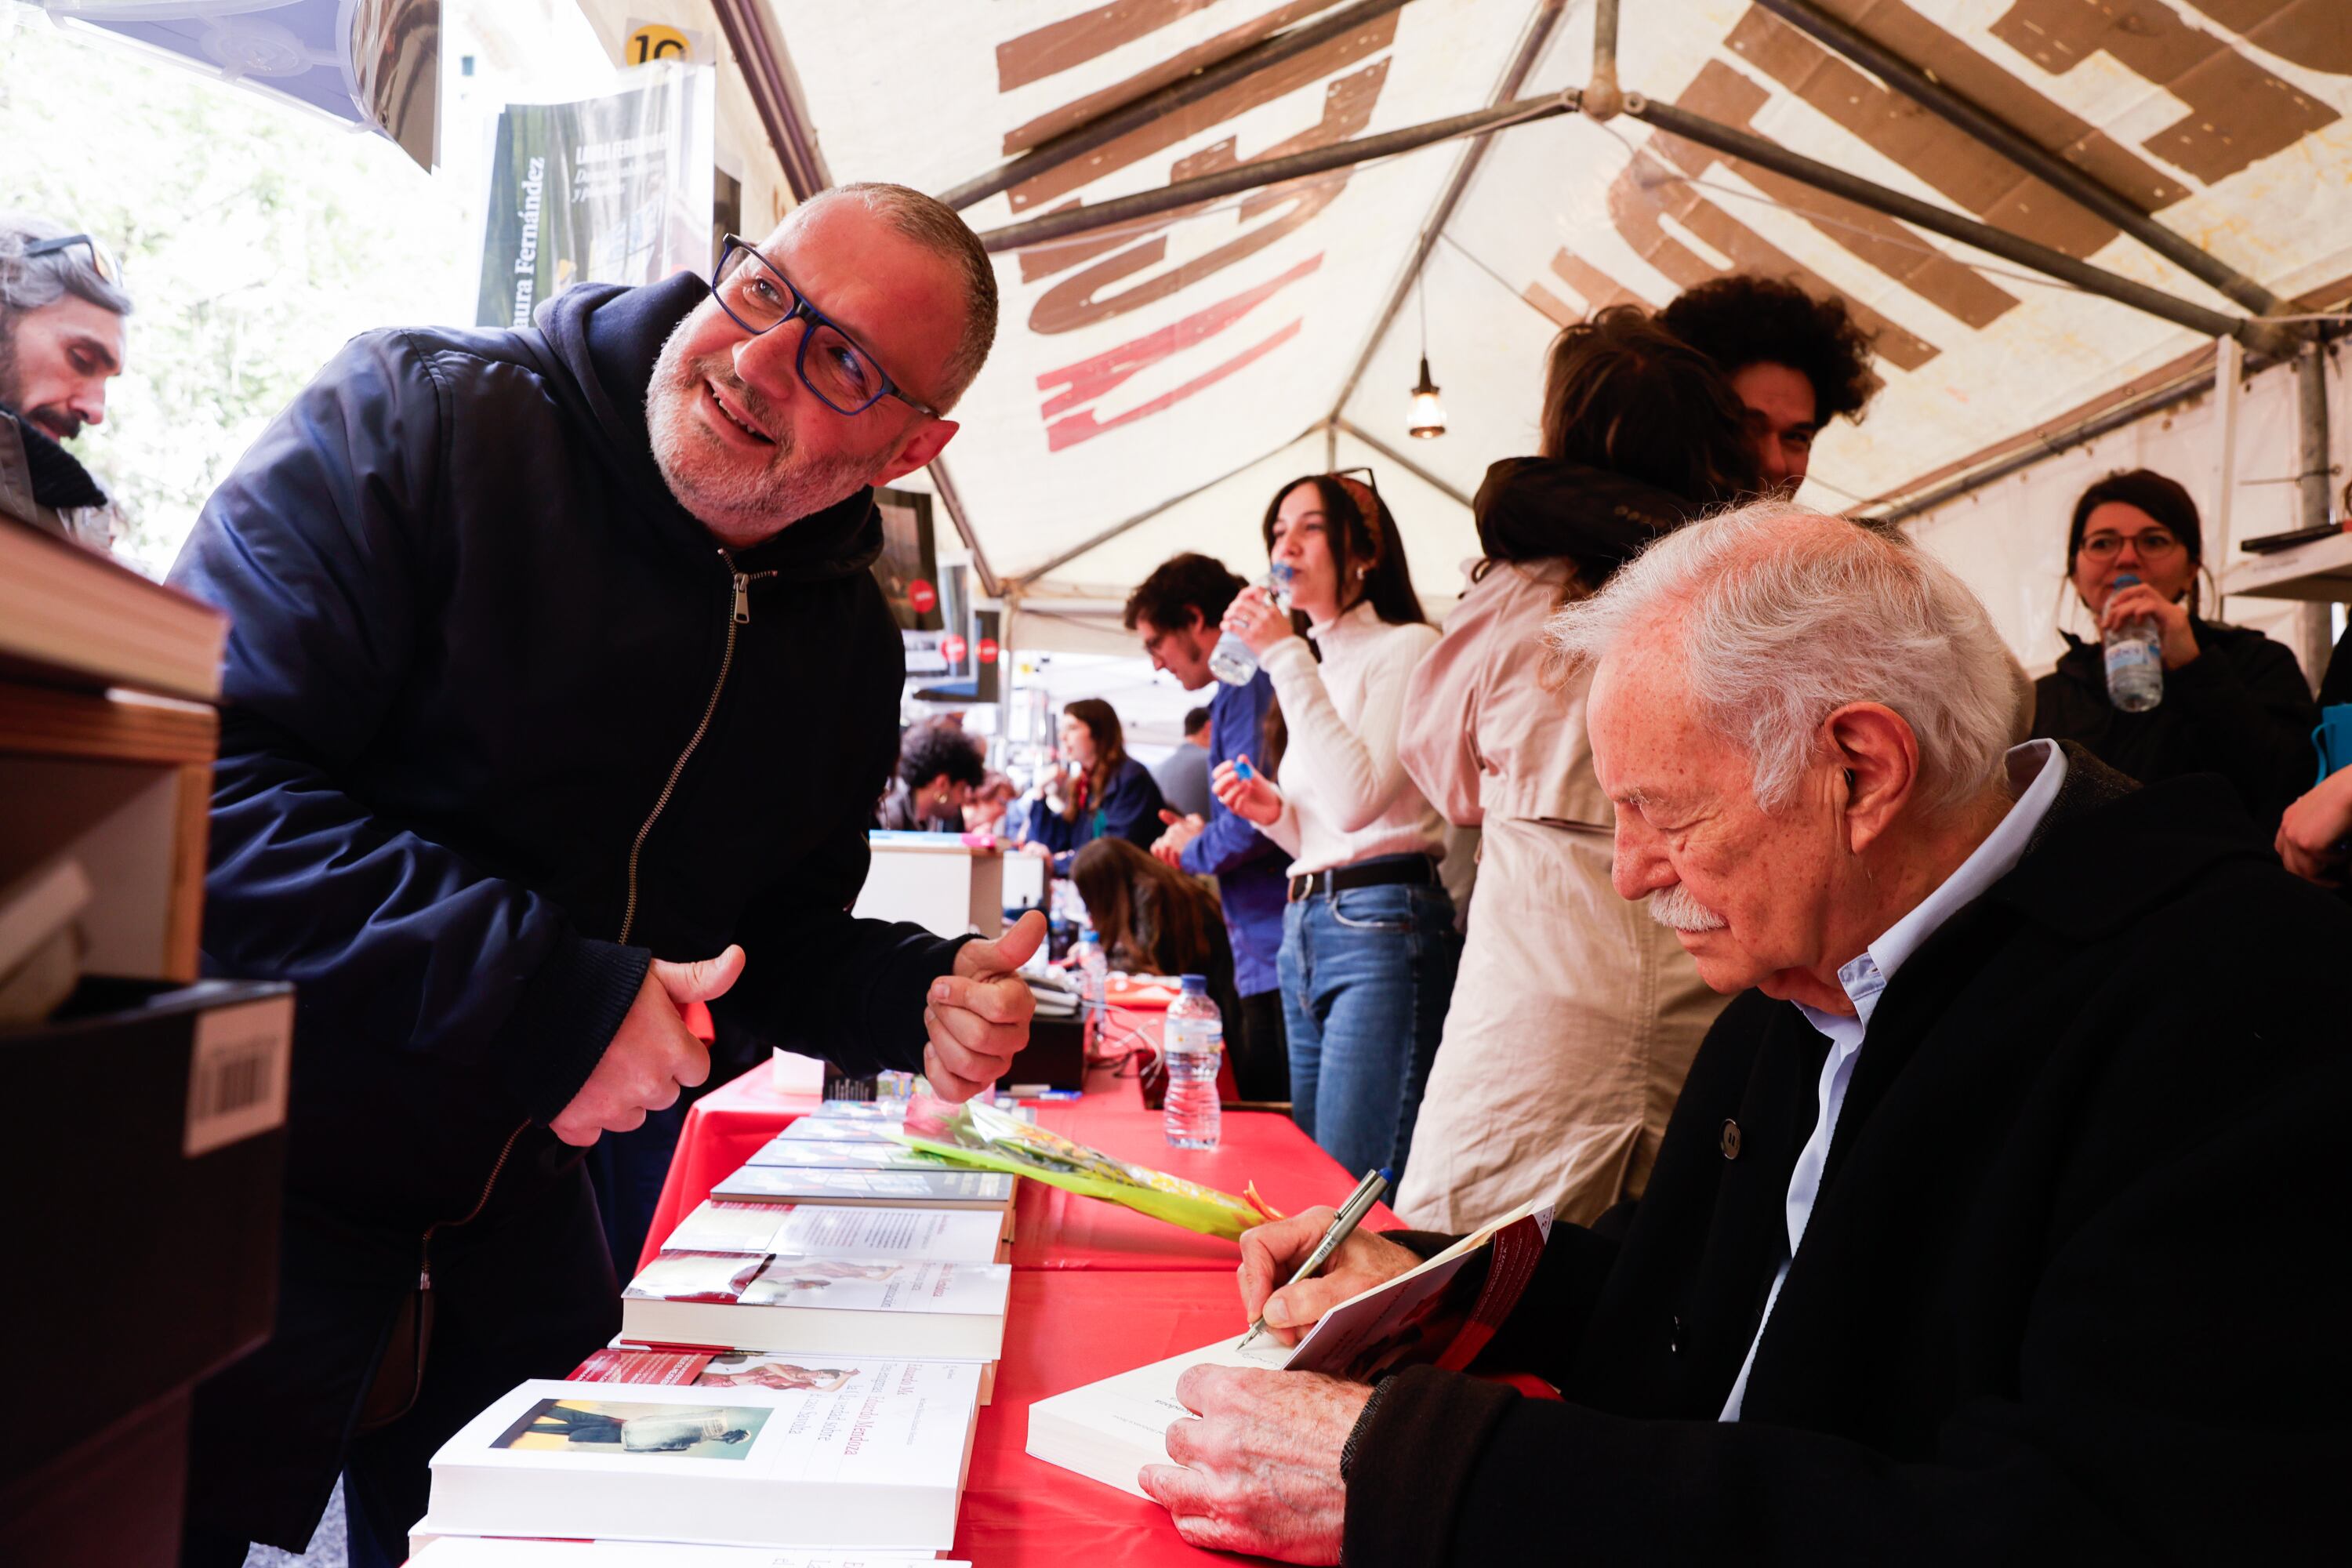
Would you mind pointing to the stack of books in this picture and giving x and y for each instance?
(799, 1368)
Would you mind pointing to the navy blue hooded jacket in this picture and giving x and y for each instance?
(502, 720)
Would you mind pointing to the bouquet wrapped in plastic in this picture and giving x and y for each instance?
(977, 1134)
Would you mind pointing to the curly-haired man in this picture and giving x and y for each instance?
(1796, 362)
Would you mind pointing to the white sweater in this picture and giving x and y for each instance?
(1345, 795)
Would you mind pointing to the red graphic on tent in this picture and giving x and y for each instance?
(922, 595)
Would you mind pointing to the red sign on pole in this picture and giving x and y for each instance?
(951, 649)
(988, 650)
(922, 595)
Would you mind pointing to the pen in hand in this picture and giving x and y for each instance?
(1343, 1225)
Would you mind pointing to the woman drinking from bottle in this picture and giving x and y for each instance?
(1368, 948)
(1101, 791)
(2232, 701)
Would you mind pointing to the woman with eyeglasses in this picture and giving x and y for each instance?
(1368, 948)
(2235, 703)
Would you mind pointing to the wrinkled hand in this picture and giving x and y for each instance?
(653, 1055)
(1251, 799)
(1259, 1471)
(2312, 835)
(1272, 1254)
(1252, 616)
(1182, 831)
(978, 1014)
(2179, 644)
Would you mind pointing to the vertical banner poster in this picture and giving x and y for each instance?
(611, 189)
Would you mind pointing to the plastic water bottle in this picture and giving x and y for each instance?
(1194, 1037)
(2135, 653)
(1094, 983)
(1231, 660)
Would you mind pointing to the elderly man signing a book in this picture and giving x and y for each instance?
(1996, 1214)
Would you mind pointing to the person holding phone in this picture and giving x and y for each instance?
(1368, 946)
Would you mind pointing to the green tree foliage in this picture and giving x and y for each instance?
(256, 238)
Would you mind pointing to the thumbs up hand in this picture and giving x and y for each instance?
(978, 1014)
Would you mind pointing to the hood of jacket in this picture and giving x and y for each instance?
(605, 340)
(1533, 509)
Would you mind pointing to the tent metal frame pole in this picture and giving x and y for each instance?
(775, 93)
(1401, 461)
(2128, 413)
(1984, 127)
(2253, 332)
(1269, 172)
(951, 499)
(1112, 125)
(1538, 32)
(2314, 483)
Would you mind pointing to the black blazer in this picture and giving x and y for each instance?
(2072, 1285)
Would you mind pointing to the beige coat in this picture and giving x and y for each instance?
(1576, 1016)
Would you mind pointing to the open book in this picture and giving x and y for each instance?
(1441, 1313)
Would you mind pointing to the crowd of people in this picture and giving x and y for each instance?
(1904, 1204)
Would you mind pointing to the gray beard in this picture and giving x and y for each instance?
(741, 508)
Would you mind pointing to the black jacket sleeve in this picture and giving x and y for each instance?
(2248, 713)
(818, 980)
(318, 548)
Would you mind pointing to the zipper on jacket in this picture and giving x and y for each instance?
(739, 615)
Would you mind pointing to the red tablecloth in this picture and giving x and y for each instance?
(1053, 1229)
(1097, 1289)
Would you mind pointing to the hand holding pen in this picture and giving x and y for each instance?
(1273, 1291)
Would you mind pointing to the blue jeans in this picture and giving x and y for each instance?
(1367, 975)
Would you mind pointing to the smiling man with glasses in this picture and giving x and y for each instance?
(560, 698)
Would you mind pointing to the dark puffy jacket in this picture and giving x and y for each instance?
(502, 722)
(2240, 709)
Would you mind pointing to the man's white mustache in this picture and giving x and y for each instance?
(1675, 907)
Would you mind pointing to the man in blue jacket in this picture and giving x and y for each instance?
(559, 696)
(1176, 611)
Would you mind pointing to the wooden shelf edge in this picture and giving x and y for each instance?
(115, 726)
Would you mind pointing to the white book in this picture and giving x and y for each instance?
(739, 1467)
(937, 1189)
(1109, 1431)
(817, 1230)
(841, 1130)
(780, 1370)
(832, 1305)
(847, 1154)
(429, 1548)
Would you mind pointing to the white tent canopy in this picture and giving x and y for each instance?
(1167, 374)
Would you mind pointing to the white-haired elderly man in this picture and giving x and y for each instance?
(1999, 1217)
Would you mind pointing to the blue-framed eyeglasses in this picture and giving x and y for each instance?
(760, 299)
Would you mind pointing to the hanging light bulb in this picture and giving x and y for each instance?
(1428, 419)
(1428, 411)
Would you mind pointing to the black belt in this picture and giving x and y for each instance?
(1413, 870)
